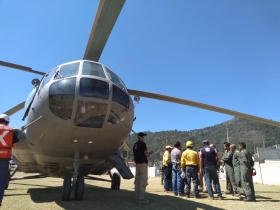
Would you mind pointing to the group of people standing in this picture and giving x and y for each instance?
(239, 167)
(179, 168)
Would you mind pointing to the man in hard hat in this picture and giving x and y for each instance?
(167, 168)
(190, 165)
(8, 139)
(209, 158)
(141, 155)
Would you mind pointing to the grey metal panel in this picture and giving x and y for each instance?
(15, 109)
(203, 106)
(122, 168)
(105, 19)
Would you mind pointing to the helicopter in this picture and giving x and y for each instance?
(85, 110)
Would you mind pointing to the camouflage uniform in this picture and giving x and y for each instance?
(246, 164)
(230, 182)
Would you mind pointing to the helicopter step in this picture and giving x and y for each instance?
(77, 184)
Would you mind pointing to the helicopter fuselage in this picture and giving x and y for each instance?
(80, 106)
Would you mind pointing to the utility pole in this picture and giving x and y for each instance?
(263, 141)
(227, 133)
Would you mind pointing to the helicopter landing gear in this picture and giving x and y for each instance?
(116, 181)
(78, 182)
(66, 188)
(79, 191)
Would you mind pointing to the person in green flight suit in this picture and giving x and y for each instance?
(246, 167)
(236, 165)
(227, 158)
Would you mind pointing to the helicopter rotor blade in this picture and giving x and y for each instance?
(15, 109)
(203, 106)
(105, 19)
(19, 67)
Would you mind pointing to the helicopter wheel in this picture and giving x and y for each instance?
(66, 188)
(79, 191)
(116, 181)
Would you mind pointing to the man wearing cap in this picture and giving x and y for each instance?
(141, 174)
(8, 139)
(167, 169)
(176, 169)
(209, 158)
(190, 164)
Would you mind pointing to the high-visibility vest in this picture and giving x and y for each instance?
(6, 141)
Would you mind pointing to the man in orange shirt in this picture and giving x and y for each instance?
(8, 139)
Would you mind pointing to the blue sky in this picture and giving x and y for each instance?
(223, 53)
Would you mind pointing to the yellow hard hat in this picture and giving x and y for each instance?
(189, 143)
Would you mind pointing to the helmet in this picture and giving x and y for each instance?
(189, 143)
(168, 147)
(5, 118)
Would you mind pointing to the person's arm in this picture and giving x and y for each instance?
(183, 160)
(15, 140)
(165, 158)
(198, 161)
(218, 157)
(246, 160)
(147, 154)
(201, 165)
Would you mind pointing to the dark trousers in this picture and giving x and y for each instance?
(167, 178)
(210, 173)
(4, 175)
(191, 174)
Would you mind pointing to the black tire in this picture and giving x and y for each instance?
(66, 188)
(8, 181)
(116, 181)
(80, 185)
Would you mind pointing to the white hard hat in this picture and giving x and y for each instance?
(4, 117)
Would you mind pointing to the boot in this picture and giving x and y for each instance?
(249, 199)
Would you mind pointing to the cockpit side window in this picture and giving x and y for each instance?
(49, 76)
(115, 79)
(67, 70)
(93, 69)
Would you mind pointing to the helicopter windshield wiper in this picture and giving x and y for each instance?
(58, 74)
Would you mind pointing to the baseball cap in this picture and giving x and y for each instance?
(141, 134)
(205, 141)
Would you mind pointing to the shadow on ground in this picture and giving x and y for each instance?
(103, 198)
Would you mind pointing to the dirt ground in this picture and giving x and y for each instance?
(45, 193)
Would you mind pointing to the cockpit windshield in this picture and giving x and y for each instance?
(93, 69)
(115, 79)
(67, 70)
